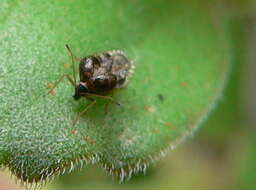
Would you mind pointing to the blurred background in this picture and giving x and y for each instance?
(221, 155)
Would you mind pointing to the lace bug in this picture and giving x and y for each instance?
(99, 74)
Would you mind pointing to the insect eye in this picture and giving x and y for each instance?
(82, 89)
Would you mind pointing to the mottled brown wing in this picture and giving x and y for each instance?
(102, 83)
(121, 68)
(105, 71)
(87, 67)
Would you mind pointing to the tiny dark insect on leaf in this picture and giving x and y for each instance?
(99, 74)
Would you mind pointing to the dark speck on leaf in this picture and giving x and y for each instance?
(160, 97)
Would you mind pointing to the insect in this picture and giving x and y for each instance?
(99, 74)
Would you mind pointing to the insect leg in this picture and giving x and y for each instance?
(60, 79)
(104, 97)
(73, 64)
(87, 107)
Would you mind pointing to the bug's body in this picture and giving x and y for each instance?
(99, 74)
(102, 73)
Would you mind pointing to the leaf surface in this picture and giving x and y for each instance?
(181, 67)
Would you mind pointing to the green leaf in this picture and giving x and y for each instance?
(181, 66)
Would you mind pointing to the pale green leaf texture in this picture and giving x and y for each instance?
(181, 66)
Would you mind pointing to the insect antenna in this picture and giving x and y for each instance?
(73, 64)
